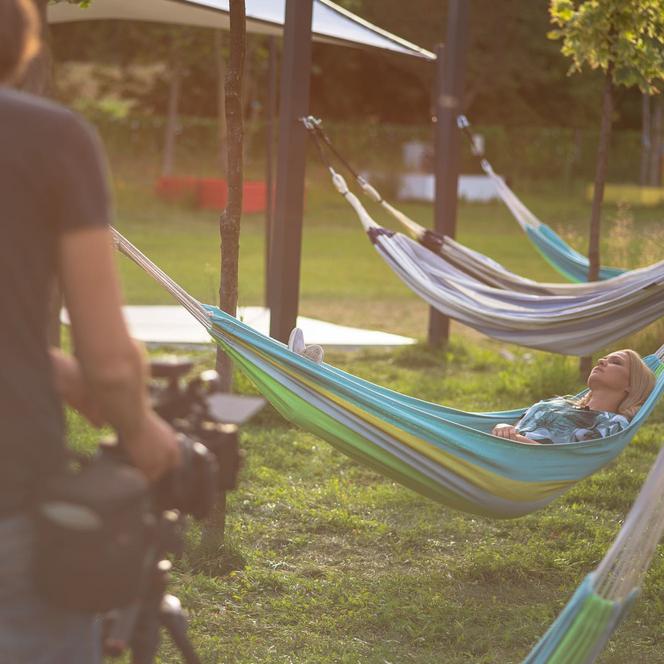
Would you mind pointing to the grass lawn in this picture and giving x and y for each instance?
(327, 562)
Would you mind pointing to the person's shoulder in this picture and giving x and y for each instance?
(39, 114)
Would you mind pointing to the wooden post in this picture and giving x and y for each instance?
(286, 236)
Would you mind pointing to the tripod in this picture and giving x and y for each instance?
(137, 627)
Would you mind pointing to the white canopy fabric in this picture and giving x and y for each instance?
(331, 23)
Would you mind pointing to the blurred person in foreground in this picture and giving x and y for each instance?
(54, 217)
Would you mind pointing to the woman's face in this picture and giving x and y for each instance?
(610, 372)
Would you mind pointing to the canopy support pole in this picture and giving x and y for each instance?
(450, 74)
(270, 123)
(286, 234)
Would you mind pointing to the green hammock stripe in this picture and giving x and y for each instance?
(590, 626)
(582, 628)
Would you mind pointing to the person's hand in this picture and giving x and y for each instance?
(505, 431)
(154, 449)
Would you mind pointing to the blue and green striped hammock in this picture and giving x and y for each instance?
(446, 454)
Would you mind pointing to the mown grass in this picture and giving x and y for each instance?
(327, 562)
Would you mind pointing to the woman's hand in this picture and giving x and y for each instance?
(505, 431)
(509, 432)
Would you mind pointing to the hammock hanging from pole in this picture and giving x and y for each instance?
(473, 262)
(601, 602)
(446, 454)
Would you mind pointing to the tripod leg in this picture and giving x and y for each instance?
(173, 619)
(145, 640)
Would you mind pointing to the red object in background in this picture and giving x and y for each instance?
(254, 196)
(212, 193)
(176, 188)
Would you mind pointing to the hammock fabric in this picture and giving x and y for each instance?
(582, 629)
(446, 454)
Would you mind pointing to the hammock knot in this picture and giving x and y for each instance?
(370, 191)
(339, 183)
(462, 122)
(374, 232)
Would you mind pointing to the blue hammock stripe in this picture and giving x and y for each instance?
(569, 262)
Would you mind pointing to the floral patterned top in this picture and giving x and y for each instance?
(558, 420)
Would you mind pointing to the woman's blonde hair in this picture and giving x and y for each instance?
(641, 382)
(19, 37)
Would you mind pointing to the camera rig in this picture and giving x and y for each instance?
(104, 535)
(208, 422)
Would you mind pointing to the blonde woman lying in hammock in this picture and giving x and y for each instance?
(619, 384)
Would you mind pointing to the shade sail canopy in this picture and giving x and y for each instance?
(330, 24)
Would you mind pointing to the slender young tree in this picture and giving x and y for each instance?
(229, 222)
(625, 40)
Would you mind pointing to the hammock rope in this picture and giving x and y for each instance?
(446, 454)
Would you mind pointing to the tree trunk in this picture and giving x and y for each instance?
(250, 103)
(229, 223)
(38, 80)
(212, 539)
(221, 101)
(598, 196)
(656, 143)
(644, 179)
(170, 134)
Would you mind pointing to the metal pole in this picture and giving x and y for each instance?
(286, 236)
(449, 99)
(269, 155)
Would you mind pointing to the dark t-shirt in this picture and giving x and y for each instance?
(52, 181)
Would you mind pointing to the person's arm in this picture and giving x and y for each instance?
(111, 364)
(509, 431)
(72, 388)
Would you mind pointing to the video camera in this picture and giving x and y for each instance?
(103, 532)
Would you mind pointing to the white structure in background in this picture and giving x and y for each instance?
(420, 185)
(164, 325)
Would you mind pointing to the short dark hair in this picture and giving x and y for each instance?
(19, 37)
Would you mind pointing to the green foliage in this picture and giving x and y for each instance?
(624, 37)
(515, 75)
